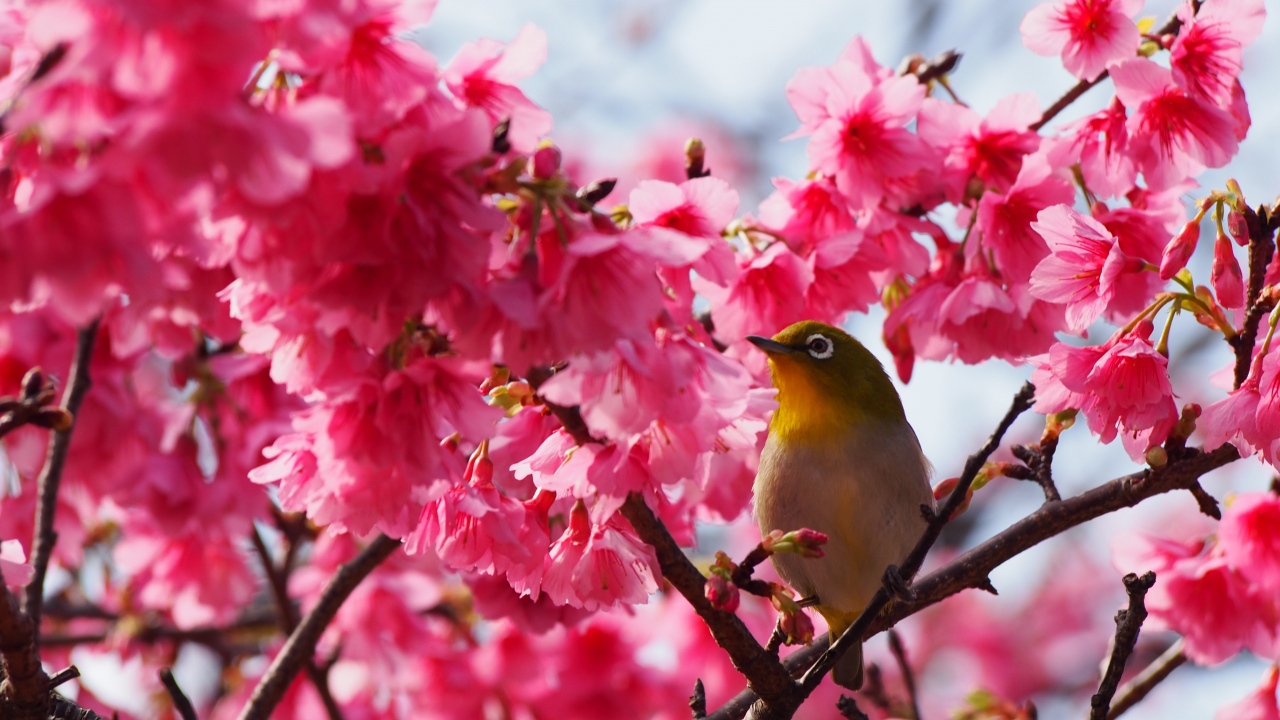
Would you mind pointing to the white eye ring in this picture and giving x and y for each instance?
(819, 346)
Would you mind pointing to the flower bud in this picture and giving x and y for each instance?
(1057, 423)
(804, 542)
(798, 626)
(721, 593)
(597, 190)
(546, 162)
(1239, 228)
(695, 159)
(1179, 250)
(944, 489)
(1157, 457)
(32, 383)
(1228, 282)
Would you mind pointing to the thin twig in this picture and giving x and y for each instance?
(698, 701)
(302, 642)
(279, 584)
(908, 676)
(1128, 625)
(44, 537)
(1142, 684)
(181, 703)
(64, 675)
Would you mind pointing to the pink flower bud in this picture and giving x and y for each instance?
(798, 626)
(943, 489)
(1239, 228)
(1228, 283)
(546, 161)
(1178, 251)
(804, 542)
(722, 594)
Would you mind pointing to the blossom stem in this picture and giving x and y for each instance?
(1162, 346)
(1271, 329)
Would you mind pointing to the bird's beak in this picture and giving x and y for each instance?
(771, 347)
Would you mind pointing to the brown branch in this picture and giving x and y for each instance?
(698, 701)
(1170, 27)
(302, 642)
(908, 677)
(211, 636)
(1137, 688)
(763, 671)
(24, 694)
(44, 537)
(181, 703)
(1262, 226)
(971, 569)
(63, 709)
(1128, 625)
(279, 583)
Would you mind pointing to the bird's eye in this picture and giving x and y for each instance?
(819, 346)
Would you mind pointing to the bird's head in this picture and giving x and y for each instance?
(828, 383)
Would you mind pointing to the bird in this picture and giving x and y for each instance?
(840, 458)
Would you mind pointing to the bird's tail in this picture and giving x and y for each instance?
(848, 670)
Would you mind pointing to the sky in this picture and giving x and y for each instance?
(620, 70)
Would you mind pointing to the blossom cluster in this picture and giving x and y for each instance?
(337, 279)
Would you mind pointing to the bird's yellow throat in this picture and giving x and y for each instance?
(814, 409)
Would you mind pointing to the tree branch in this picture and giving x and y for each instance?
(44, 537)
(763, 671)
(1262, 226)
(302, 642)
(24, 694)
(1052, 518)
(908, 677)
(181, 703)
(1128, 624)
(279, 583)
(1137, 688)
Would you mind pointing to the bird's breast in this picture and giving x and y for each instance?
(863, 489)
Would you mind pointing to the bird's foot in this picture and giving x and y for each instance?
(897, 585)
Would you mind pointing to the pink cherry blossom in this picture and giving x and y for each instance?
(1083, 268)
(1228, 282)
(1171, 135)
(599, 565)
(857, 121)
(484, 74)
(689, 217)
(1121, 387)
(989, 148)
(1089, 34)
(1201, 597)
(1258, 705)
(1102, 141)
(1004, 219)
(806, 212)
(1249, 540)
(365, 459)
(766, 296)
(1207, 54)
(196, 578)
